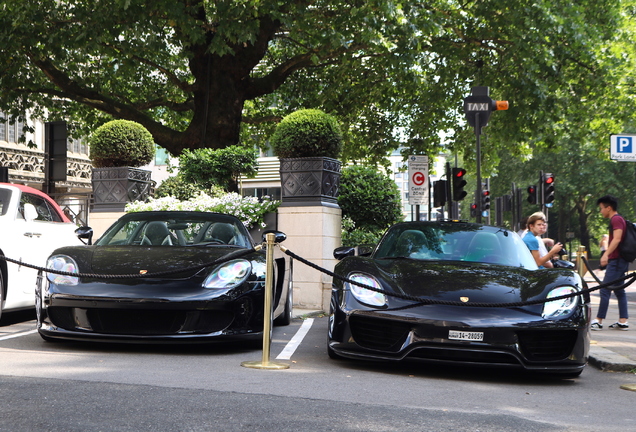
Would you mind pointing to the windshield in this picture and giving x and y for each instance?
(448, 241)
(176, 229)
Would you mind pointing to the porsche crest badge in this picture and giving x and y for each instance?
(464, 299)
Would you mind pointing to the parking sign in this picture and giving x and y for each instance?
(623, 147)
(418, 180)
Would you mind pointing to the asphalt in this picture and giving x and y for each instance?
(610, 350)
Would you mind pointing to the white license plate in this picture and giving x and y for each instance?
(464, 335)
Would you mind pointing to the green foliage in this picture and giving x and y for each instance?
(369, 198)
(352, 236)
(177, 187)
(222, 167)
(307, 133)
(121, 143)
(210, 74)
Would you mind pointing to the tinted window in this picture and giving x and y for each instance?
(455, 242)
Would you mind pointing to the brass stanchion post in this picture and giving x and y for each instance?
(579, 261)
(267, 314)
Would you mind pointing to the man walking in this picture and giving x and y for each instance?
(615, 265)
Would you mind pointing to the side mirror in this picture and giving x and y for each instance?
(30, 213)
(343, 251)
(85, 232)
(280, 236)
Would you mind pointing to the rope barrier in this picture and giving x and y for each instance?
(629, 279)
(225, 258)
(418, 301)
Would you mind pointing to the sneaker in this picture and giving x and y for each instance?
(596, 325)
(620, 326)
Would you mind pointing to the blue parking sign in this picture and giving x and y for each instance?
(622, 147)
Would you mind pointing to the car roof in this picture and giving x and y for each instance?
(29, 189)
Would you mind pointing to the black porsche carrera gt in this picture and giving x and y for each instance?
(208, 303)
(463, 263)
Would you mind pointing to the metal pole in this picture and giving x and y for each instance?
(267, 315)
(478, 194)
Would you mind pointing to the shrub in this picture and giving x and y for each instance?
(120, 143)
(222, 167)
(307, 133)
(371, 199)
(178, 188)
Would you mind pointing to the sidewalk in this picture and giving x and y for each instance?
(610, 349)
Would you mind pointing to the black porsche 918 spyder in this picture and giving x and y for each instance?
(464, 263)
(188, 305)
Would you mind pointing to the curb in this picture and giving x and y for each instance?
(609, 361)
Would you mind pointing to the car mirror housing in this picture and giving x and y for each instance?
(85, 233)
(343, 252)
(280, 236)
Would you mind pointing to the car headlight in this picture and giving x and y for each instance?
(562, 307)
(228, 275)
(363, 295)
(62, 263)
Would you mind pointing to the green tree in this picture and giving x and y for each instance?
(369, 198)
(207, 168)
(199, 73)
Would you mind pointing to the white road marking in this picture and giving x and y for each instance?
(15, 335)
(294, 343)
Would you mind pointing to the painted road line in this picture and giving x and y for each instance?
(294, 343)
(15, 335)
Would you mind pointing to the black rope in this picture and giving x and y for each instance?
(225, 258)
(629, 279)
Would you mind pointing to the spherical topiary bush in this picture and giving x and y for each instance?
(307, 133)
(121, 143)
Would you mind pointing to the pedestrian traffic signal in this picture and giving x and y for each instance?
(458, 184)
(548, 189)
(532, 194)
(439, 193)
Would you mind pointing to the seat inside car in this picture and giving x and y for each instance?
(410, 242)
(156, 234)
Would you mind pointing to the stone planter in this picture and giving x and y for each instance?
(310, 181)
(114, 187)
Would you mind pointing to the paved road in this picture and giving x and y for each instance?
(90, 387)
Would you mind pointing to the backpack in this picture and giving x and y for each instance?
(627, 246)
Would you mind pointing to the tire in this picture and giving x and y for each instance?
(286, 317)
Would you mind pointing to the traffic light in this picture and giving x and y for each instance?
(439, 193)
(485, 201)
(548, 189)
(532, 194)
(458, 184)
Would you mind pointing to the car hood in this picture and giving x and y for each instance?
(451, 280)
(122, 260)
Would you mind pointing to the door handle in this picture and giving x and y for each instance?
(31, 234)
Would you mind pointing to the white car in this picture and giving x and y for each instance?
(32, 225)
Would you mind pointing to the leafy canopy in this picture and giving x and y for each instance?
(210, 74)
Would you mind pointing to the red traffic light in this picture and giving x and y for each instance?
(549, 180)
(485, 193)
(531, 189)
(459, 172)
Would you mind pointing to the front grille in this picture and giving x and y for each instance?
(139, 321)
(547, 345)
(378, 334)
